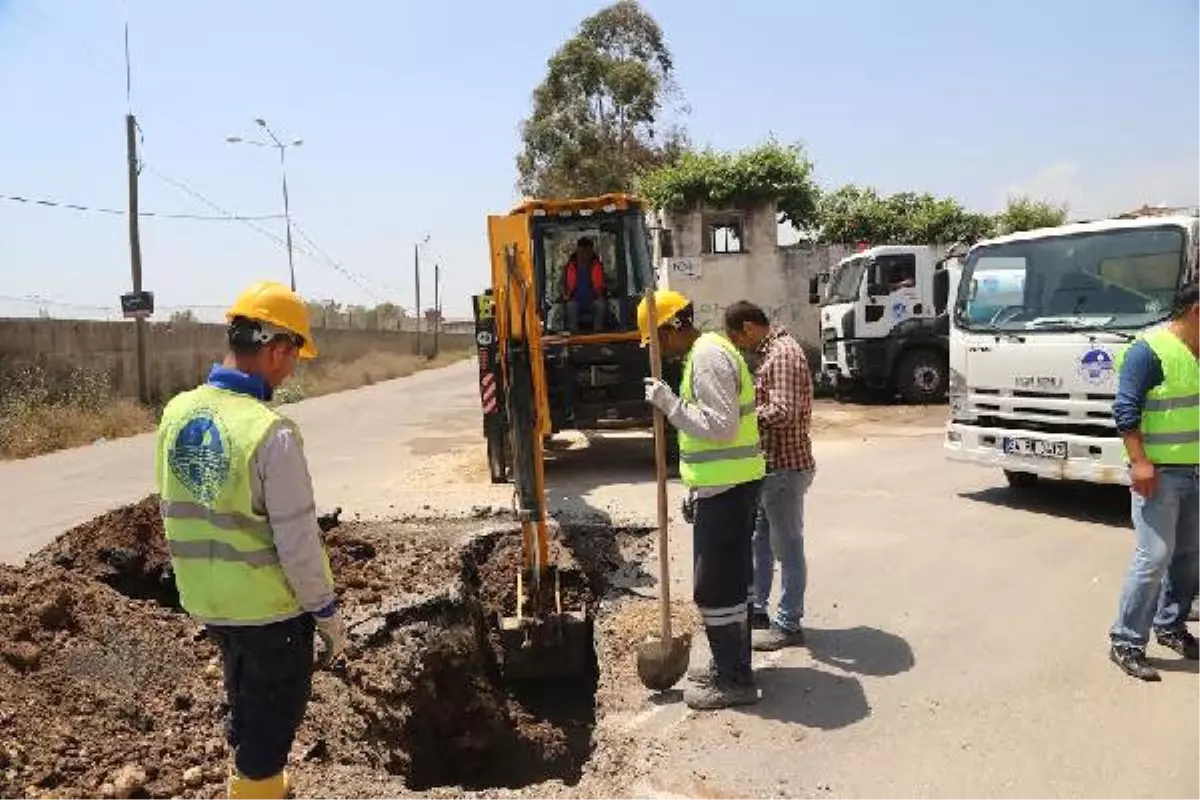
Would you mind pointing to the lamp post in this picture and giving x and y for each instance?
(282, 147)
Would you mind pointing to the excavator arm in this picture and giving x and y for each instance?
(540, 639)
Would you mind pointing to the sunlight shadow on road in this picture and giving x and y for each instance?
(810, 697)
(865, 650)
(1083, 502)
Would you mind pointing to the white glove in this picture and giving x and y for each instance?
(659, 395)
(332, 631)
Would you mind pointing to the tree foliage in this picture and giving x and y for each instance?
(1023, 213)
(770, 172)
(596, 121)
(856, 213)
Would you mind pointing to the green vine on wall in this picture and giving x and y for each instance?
(770, 172)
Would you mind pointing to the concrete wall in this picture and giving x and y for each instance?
(178, 356)
(770, 276)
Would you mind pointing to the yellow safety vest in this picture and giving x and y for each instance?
(222, 550)
(1171, 413)
(708, 463)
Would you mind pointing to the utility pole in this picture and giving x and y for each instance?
(417, 281)
(135, 253)
(437, 307)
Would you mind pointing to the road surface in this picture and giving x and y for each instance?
(365, 448)
(957, 629)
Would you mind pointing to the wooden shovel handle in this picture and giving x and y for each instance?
(660, 470)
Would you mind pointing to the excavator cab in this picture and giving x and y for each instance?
(555, 356)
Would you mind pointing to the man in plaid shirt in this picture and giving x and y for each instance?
(784, 389)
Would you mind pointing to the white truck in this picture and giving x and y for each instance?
(884, 322)
(1036, 328)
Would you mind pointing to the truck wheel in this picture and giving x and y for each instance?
(497, 455)
(1020, 480)
(922, 377)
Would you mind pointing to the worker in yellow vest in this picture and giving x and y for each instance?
(722, 465)
(1157, 412)
(241, 527)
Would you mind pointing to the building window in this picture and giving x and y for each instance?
(725, 237)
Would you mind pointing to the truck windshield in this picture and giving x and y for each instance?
(846, 280)
(1122, 278)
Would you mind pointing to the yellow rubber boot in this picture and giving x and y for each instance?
(276, 787)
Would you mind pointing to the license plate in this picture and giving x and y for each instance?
(1039, 448)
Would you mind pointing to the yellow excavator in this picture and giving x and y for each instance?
(551, 362)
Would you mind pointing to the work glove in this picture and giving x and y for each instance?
(332, 631)
(659, 395)
(687, 507)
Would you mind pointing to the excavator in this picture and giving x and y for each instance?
(542, 371)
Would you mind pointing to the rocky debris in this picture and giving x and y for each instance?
(128, 781)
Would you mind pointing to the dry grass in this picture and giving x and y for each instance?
(327, 377)
(43, 410)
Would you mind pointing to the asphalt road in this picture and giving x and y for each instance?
(957, 629)
(365, 448)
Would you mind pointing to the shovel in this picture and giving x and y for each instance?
(661, 660)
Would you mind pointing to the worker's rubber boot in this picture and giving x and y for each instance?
(730, 682)
(276, 787)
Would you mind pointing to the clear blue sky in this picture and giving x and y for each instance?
(410, 110)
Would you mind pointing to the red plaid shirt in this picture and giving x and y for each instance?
(784, 393)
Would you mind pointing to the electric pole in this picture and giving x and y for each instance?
(135, 253)
(437, 307)
(417, 281)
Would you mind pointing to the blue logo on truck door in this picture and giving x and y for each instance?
(1096, 365)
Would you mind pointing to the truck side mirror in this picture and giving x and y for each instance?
(941, 290)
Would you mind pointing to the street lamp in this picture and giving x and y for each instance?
(282, 148)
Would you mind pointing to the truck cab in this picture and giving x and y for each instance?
(1039, 321)
(883, 322)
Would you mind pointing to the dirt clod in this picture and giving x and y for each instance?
(128, 781)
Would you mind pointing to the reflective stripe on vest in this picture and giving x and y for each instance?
(1170, 424)
(222, 550)
(707, 463)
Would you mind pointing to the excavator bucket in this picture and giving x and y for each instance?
(552, 643)
(542, 639)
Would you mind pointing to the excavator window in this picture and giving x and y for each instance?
(620, 241)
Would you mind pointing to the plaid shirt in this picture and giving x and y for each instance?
(784, 394)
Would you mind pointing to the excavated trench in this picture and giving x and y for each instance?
(421, 696)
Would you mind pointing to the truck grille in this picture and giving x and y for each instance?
(1046, 412)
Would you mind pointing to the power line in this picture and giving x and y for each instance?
(352, 277)
(37, 201)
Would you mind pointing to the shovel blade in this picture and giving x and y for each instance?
(661, 664)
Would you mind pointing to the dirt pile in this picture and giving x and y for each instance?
(106, 689)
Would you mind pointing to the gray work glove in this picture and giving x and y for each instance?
(332, 631)
(687, 507)
(660, 395)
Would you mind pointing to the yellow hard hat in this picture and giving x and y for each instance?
(667, 304)
(275, 304)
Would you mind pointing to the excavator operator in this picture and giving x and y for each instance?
(242, 531)
(584, 286)
(722, 465)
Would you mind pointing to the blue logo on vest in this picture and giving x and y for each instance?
(198, 458)
(1096, 365)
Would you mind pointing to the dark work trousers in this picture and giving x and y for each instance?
(268, 679)
(724, 572)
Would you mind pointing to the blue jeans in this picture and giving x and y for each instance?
(779, 534)
(1162, 579)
